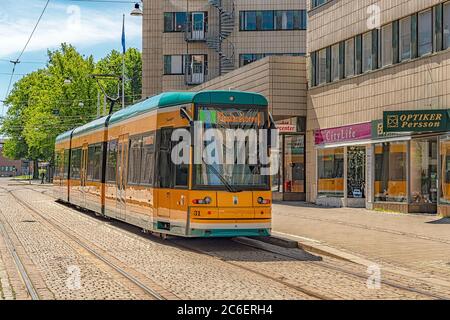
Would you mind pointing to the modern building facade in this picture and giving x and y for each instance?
(189, 42)
(378, 132)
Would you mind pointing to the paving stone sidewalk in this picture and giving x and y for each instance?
(419, 243)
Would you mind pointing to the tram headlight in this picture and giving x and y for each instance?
(206, 200)
(261, 200)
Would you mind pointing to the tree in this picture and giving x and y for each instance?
(41, 105)
(112, 64)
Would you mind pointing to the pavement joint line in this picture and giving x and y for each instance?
(319, 248)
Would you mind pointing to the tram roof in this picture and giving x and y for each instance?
(170, 99)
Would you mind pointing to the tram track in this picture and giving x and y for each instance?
(307, 292)
(121, 271)
(355, 274)
(29, 286)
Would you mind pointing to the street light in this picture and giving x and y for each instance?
(136, 12)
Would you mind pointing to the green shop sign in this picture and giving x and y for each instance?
(416, 121)
(378, 131)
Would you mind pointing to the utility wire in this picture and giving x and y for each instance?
(23, 50)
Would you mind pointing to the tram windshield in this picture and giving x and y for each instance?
(231, 148)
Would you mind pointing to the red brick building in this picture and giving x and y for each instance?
(9, 168)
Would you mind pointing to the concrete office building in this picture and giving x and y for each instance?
(189, 42)
(378, 132)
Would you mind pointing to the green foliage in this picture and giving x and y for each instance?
(41, 105)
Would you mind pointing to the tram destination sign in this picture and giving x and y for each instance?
(416, 121)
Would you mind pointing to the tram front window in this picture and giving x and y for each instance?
(231, 149)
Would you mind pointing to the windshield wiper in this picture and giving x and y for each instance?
(227, 185)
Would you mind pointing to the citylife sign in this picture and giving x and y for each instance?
(416, 121)
(354, 132)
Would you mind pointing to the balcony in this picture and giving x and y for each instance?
(195, 32)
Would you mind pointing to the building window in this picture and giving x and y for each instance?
(350, 57)
(387, 57)
(316, 3)
(331, 172)
(269, 20)
(173, 65)
(247, 58)
(322, 66)
(248, 20)
(367, 52)
(175, 21)
(335, 62)
(425, 26)
(405, 38)
(446, 25)
(390, 172)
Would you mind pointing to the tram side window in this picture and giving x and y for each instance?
(94, 162)
(134, 163)
(111, 161)
(66, 164)
(181, 173)
(148, 159)
(75, 164)
(164, 161)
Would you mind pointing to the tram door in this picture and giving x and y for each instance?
(165, 173)
(122, 165)
(83, 174)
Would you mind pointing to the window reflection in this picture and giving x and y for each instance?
(331, 172)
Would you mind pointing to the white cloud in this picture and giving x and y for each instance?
(63, 23)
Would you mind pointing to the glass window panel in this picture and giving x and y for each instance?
(425, 39)
(168, 22)
(180, 21)
(267, 20)
(390, 172)
(331, 172)
(424, 171)
(335, 62)
(447, 25)
(250, 21)
(111, 161)
(148, 159)
(367, 52)
(350, 57)
(405, 39)
(134, 162)
(386, 46)
(322, 66)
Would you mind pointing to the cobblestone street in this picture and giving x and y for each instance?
(62, 253)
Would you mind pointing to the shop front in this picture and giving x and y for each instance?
(341, 155)
(411, 172)
(290, 183)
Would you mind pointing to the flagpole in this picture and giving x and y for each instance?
(123, 66)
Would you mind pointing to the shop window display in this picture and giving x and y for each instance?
(390, 172)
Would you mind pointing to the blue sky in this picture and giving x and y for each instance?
(94, 28)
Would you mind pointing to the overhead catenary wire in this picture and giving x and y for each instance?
(23, 50)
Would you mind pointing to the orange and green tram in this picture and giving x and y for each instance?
(120, 166)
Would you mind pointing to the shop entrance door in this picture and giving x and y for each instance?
(294, 168)
(424, 173)
(356, 173)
